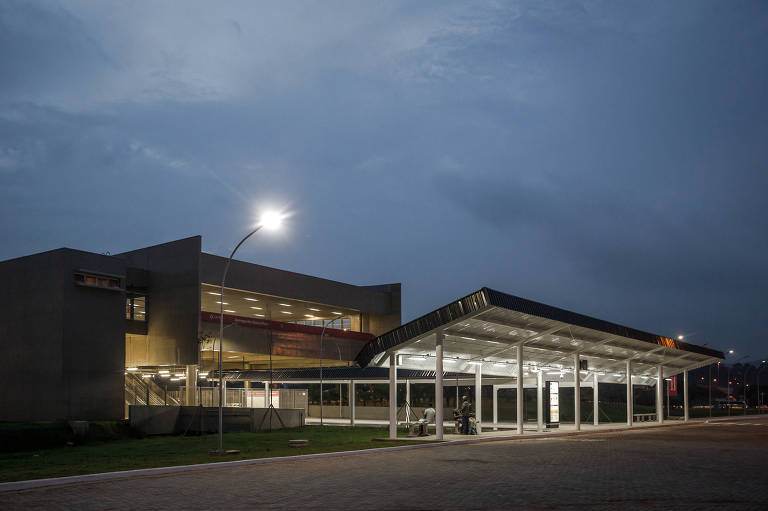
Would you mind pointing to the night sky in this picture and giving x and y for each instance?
(607, 157)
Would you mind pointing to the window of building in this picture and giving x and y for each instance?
(343, 324)
(136, 307)
(102, 281)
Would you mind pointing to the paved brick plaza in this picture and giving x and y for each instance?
(699, 466)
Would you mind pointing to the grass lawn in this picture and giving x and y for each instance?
(134, 453)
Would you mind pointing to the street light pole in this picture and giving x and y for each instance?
(744, 387)
(759, 398)
(221, 338)
(728, 396)
(271, 220)
(709, 384)
(710, 390)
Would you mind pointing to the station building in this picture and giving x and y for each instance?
(86, 335)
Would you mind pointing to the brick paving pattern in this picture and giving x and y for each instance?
(700, 466)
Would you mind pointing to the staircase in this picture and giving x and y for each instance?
(137, 389)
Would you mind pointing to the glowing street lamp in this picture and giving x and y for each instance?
(271, 221)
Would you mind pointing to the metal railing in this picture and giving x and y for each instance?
(138, 389)
(143, 391)
(140, 392)
(209, 396)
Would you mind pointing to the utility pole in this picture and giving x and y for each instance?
(710, 390)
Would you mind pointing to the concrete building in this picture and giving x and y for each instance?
(84, 334)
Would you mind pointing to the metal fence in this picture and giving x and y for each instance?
(143, 391)
(244, 398)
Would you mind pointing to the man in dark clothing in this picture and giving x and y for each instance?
(466, 413)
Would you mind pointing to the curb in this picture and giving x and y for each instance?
(734, 418)
(148, 472)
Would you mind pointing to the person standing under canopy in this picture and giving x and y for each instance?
(466, 413)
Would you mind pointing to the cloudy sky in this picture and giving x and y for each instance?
(606, 157)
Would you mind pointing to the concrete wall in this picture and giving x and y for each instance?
(167, 420)
(173, 304)
(136, 350)
(378, 323)
(94, 342)
(63, 345)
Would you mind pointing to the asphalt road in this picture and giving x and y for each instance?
(721, 465)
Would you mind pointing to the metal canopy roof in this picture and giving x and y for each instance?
(485, 327)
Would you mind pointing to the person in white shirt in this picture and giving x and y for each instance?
(429, 418)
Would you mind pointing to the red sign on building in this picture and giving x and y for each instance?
(672, 385)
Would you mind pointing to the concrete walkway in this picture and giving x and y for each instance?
(683, 466)
(530, 432)
(449, 439)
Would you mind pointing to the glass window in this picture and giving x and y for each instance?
(136, 308)
(83, 279)
(343, 324)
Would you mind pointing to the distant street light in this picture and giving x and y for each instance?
(270, 221)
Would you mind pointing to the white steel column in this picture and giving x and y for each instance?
(685, 395)
(351, 402)
(540, 400)
(268, 394)
(629, 393)
(408, 401)
(190, 396)
(393, 395)
(439, 337)
(596, 402)
(576, 393)
(659, 394)
(495, 406)
(478, 397)
(520, 418)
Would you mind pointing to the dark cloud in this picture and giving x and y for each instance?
(605, 157)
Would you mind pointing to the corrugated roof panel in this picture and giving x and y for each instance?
(511, 302)
(453, 311)
(486, 297)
